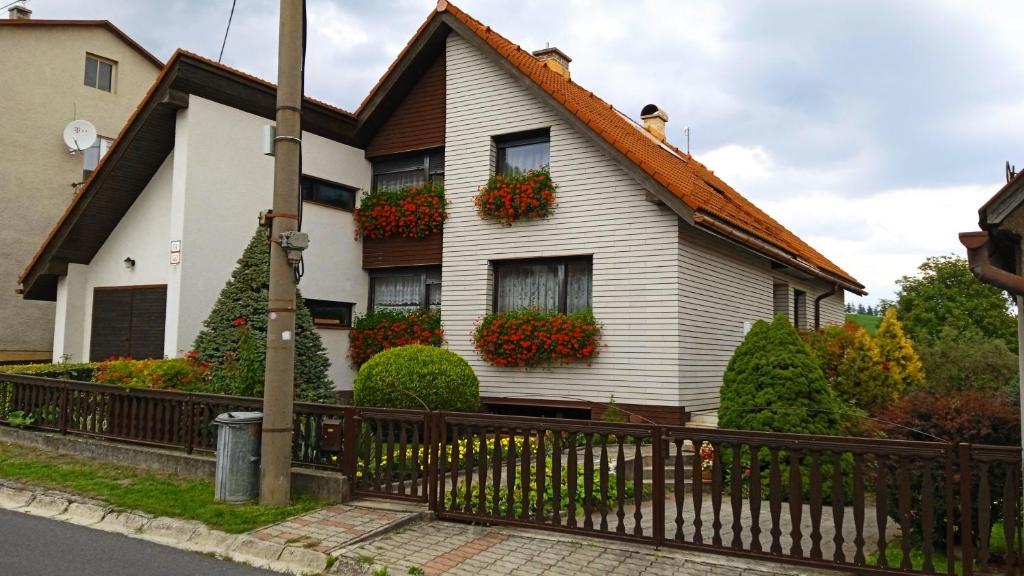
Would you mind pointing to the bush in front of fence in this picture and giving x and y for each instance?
(183, 374)
(80, 371)
(417, 377)
(977, 417)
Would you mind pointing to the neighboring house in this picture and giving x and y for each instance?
(53, 72)
(996, 254)
(674, 263)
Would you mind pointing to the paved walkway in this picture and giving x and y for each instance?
(455, 549)
(328, 529)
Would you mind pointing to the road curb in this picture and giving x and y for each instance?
(173, 532)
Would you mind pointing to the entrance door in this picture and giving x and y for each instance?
(128, 321)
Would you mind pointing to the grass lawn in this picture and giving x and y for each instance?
(130, 488)
(894, 553)
(865, 321)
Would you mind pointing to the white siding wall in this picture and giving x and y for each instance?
(723, 290)
(601, 211)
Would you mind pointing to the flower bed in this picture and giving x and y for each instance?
(408, 212)
(529, 338)
(382, 329)
(520, 197)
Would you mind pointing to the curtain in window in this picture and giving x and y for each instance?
(520, 159)
(578, 287)
(400, 179)
(397, 292)
(528, 285)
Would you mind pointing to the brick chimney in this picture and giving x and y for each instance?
(19, 12)
(654, 121)
(555, 59)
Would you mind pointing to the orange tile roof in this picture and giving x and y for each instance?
(677, 171)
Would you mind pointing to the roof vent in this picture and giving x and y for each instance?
(19, 12)
(654, 121)
(555, 59)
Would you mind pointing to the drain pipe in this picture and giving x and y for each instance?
(983, 269)
(817, 304)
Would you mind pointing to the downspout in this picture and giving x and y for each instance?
(983, 269)
(817, 304)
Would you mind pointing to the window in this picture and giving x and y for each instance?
(328, 193)
(408, 170)
(92, 155)
(330, 314)
(405, 289)
(800, 309)
(522, 152)
(555, 284)
(99, 73)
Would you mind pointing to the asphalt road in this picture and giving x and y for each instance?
(34, 546)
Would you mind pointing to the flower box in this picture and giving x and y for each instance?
(383, 329)
(531, 338)
(408, 212)
(508, 199)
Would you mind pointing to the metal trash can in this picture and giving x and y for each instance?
(238, 456)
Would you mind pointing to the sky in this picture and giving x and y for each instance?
(873, 129)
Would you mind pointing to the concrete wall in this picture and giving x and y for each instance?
(601, 211)
(42, 71)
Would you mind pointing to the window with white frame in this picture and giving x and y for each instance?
(99, 73)
(92, 155)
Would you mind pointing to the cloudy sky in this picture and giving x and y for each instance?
(874, 129)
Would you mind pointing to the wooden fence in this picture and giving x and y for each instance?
(852, 504)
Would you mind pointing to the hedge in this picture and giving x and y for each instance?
(417, 377)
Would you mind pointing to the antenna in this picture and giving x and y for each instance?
(1011, 171)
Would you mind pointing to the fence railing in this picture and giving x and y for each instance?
(859, 505)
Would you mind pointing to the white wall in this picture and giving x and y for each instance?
(228, 182)
(601, 211)
(208, 194)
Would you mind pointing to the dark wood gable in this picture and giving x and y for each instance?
(417, 123)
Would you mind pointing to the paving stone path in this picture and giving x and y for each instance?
(328, 529)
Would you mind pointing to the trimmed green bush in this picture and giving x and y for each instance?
(234, 336)
(81, 371)
(774, 384)
(417, 377)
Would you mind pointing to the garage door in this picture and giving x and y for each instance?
(128, 321)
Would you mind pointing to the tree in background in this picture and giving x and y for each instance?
(773, 383)
(897, 352)
(970, 362)
(945, 295)
(234, 335)
(863, 378)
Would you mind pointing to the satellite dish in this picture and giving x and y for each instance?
(79, 135)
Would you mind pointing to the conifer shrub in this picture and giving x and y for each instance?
(234, 335)
(773, 383)
(417, 377)
(855, 368)
(897, 351)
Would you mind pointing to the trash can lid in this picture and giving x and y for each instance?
(239, 418)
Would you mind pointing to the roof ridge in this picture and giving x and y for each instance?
(103, 23)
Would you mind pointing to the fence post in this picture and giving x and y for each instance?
(434, 425)
(190, 424)
(657, 485)
(950, 486)
(350, 446)
(64, 408)
(966, 510)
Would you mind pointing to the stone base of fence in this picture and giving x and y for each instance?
(329, 486)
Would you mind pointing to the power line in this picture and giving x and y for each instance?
(226, 30)
(9, 4)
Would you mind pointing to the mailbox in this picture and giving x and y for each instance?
(331, 435)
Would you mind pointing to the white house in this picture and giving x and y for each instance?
(673, 262)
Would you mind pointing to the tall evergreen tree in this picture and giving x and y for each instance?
(234, 335)
(898, 352)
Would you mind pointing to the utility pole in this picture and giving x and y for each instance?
(285, 250)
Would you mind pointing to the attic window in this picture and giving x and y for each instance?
(520, 153)
(99, 73)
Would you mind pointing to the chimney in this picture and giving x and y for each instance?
(555, 59)
(654, 121)
(19, 12)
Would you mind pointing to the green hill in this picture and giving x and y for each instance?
(865, 321)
